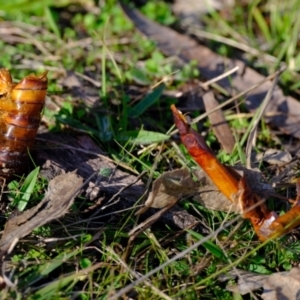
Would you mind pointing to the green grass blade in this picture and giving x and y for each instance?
(210, 246)
(26, 190)
(46, 268)
(262, 24)
(58, 286)
(51, 21)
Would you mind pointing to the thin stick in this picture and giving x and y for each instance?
(270, 77)
(257, 117)
(220, 77)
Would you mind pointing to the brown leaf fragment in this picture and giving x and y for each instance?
(247, 281)
(166, 191)
(149, 221)
(211, 198)
(78, 87)
(71, 81)
(277, 286)
(282, 111)
(169, 187)
(219, 124)
(274, 157)
(188, 8)
(282, 286)
(190, 11)
(59, 197)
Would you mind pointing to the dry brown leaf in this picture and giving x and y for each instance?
(274, 157)
(282, 286)
(166, 191)
(191, 10)
(60, 195)
(219, 124)
(210, 197)
(278, 286)
(247, 282)
(169, 187)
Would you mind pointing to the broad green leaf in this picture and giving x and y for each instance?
(145, 103)
(105, 127)
(64, 119)
(22, 198)
(142, 137)
(139, 76)
(105, 172)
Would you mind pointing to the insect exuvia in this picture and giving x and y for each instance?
(21, 105)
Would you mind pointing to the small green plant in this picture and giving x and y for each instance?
(20, 193)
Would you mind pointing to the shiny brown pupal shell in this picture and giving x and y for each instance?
(21, 105)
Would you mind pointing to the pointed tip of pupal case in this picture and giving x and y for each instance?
(180, 121)
(177, 114)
